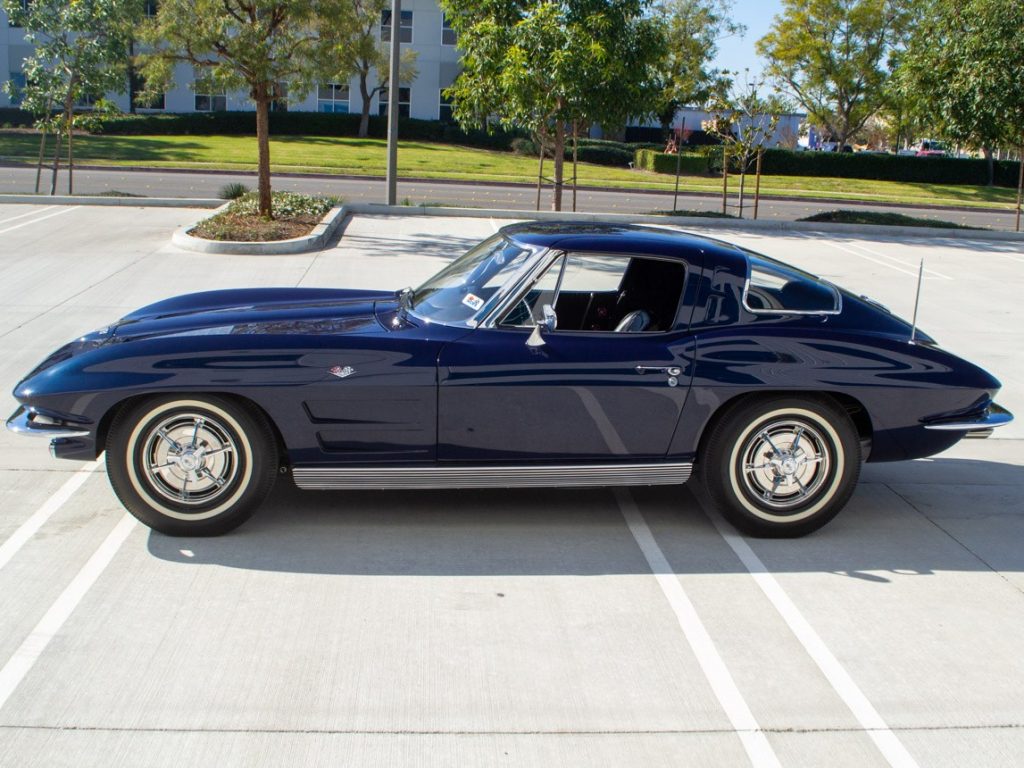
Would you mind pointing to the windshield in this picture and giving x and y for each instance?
(457, 293)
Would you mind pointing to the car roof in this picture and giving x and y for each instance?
(604, 237)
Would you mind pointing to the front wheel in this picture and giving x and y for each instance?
(782, 467)
(191, 466)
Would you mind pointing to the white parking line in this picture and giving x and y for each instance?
(28, 529)
(912, 265)
(912, 273)
(758, 748)
(30, 213)
(41, 218)
(31, 649)
(887, 742)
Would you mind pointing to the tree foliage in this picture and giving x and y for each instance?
(963, 70)
(544, 65)
(360, 51)
(251, 45)
(78, 56)
(831, 55)
(692, 29)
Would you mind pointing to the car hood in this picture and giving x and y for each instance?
(255, 311)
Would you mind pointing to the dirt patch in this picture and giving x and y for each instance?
(233, 226)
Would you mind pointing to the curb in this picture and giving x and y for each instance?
(132, 202)
(313, 241)
(688, 222)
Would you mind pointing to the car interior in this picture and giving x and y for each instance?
(601, 293)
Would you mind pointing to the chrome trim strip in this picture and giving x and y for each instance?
(824, 312)
(21, 423)
(547, 476)
(996, 416)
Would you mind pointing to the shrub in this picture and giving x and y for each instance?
(232, 191)
(523, 146)
(689, 162)
(285, 204)
(603, 155)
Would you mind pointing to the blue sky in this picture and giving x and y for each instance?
(736, 53)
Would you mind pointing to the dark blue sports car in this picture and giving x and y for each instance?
(548, 355)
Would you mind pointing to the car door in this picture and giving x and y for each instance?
(588, 392)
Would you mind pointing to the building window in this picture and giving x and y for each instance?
(138, 86)
(208, 99)
(280, 100)
(332, 97)
(404, 29)
(403, 101)
(19, 82)
(86, 101)
(21, 6)
(444, 109)
(150, 8)
(448, 36)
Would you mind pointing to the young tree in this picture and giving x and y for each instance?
(362, 52)
(547, 65)
(255, 45)
(746, 122)
(79, 55)
(963, 71)
(692, 29)
(831, 55)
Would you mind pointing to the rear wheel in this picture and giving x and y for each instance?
(782, 467)
(191, 466)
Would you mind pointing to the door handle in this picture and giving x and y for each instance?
(671, 370)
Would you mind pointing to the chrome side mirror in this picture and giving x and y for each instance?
(547, 324)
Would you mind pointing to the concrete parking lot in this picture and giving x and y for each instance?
(526, 628)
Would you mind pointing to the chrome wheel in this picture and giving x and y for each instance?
(189, 458)
(785, 464)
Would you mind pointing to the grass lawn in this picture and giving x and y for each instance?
(366, 157)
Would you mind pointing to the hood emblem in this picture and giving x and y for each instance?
(342, 372)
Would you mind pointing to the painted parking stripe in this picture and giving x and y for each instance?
(754, 740)
(21, 663)
(862, 255)
(887, 742)
(41, 218)
(30, 213)
(912, 265)
(28, 529)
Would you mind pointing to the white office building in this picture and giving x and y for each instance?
(422, 28)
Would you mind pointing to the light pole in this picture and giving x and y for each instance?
(393, 86)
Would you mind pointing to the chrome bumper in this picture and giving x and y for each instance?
(995, 416)
(24, 422)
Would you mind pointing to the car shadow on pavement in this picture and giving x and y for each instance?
(911, 518)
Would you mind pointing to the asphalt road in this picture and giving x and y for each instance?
(521, 628)
(201, 184)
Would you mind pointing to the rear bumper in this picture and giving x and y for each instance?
(25, 422)
(982, 426)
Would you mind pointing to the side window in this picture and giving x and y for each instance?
(603, 293)
(775, 289)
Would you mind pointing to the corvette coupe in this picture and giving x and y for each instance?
(548, 355)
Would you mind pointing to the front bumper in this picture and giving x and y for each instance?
(26, 422)
(981, 426)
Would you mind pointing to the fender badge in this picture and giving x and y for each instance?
(342, 372)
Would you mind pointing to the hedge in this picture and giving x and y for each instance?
(11, 117)
(847, 165)
(660, 162)
(930, 170)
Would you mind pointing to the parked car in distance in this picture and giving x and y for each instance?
(552, 354)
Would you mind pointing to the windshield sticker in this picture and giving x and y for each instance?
(473, 302)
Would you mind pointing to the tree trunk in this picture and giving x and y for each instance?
(42, 153)
(262, 94)
(71, 157)
(364, 118)
(575, 160)
(743, 183)
(991, 170)
(540, 169)
(559, 160)
(56, 163)
(131, 77)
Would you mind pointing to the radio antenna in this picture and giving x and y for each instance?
(917, 301)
